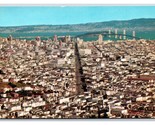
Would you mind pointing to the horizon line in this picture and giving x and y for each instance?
(73, 23)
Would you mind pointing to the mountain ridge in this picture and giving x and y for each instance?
(138, 24)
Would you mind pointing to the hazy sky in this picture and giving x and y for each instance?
(32, 15)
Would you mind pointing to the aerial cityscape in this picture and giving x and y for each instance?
(77, 62)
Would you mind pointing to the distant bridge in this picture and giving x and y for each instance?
(106, 33)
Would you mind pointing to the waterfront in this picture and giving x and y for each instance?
(150, 35)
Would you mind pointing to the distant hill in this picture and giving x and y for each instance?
(142, 24)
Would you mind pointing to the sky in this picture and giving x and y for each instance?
(56, 15)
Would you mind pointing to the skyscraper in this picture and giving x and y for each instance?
(100, 38)
(55, 38)
(38, 41)
(120, 37)
(10, 39)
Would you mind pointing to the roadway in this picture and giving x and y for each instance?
(80, 79)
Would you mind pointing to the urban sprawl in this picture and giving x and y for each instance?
(71, 78)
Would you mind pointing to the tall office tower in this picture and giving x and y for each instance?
(120, 37)
(124, 33)
(38, 38)
(38, 41)
(80, 42)
(77, 39)
(69, 38)
(100, 38)
(116, 36)
(109, 33)
(134, 34)
(55, 38)
(9, 39)
(66, 39)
